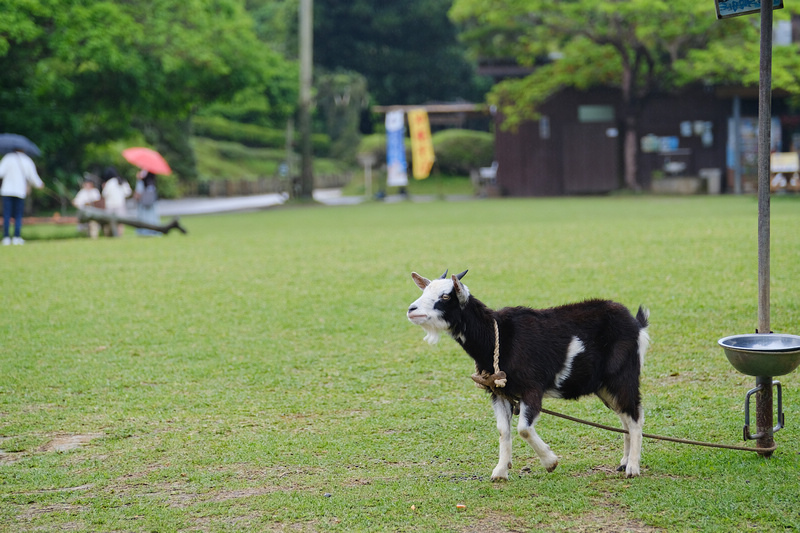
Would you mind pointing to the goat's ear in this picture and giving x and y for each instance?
(420, 281)
(461, 291)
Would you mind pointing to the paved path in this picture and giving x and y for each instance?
(203, 206)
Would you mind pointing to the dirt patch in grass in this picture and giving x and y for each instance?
(57, 443)
(607, 518)
(65, 443)
(181, 500)
(253, 523)
(10, 457)
(29, 514)
(610, 471)
(496, 523)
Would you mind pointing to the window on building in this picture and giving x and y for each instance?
(596, 113)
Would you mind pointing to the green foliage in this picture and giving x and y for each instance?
(83, 72)
(251, 135)
(229, 160)
(341, 97)
(269, 106)
(461, 151)
(276, 24)
(224, 160)
(227, 380)
(408, 51)
(227, 130)
(374, 145)
(734, 60)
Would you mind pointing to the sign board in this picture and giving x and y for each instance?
(734, 8)
(395, 150)
(421, 144)
(784, 162)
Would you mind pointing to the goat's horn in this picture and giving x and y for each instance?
(445, 274)
(459, 276)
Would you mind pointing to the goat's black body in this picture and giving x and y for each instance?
(534, 344)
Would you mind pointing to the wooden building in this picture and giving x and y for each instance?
(577, 145)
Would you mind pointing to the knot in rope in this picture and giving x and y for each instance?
(494, 381)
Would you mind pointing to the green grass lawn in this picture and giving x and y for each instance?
(259, 374)
(437, 185)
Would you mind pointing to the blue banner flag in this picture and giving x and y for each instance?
(397, 175)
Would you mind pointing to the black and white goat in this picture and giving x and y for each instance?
(592, 347)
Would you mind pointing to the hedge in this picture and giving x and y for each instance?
(222, 129)
(457, 151)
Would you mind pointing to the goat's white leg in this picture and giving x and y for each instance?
(527, 419)
(502, 413)
(632, 450)
(623, 463)
(633, 443)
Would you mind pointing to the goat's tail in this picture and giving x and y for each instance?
(643, 316)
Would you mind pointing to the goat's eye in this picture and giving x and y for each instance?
(445, 296)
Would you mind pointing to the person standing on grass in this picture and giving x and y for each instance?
(17, 171)
(115, 191)
(146, 202)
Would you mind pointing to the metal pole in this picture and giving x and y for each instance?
(764, 126)
(737, 144)
(764, 416)
(764, 397)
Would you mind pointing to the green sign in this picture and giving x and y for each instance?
(734, 8)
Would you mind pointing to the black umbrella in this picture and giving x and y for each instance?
(10, 142)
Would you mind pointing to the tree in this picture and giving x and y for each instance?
(341, 97)
(638, 46)
(276, 24)
(408, 51)
(87, 72)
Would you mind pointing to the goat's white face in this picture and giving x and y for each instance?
(429, 311)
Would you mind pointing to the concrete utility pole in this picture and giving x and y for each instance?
(306, 186)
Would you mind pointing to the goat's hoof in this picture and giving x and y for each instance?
(621, 468)
(500, 474)
(552, 467)
(632, 471)
(499, 479)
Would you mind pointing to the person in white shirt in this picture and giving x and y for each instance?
(17, 171)
(115, 191)
(86, 197)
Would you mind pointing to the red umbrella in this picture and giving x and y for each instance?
(147, 159)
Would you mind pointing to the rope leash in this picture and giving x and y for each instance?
(661, 437)
(498, 380)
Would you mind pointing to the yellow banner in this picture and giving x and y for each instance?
(422, 156)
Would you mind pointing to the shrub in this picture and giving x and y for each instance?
(222, 129)
(460, 151)
(374, 145)
(457, 151)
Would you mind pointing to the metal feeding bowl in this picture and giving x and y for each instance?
(762, 354)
